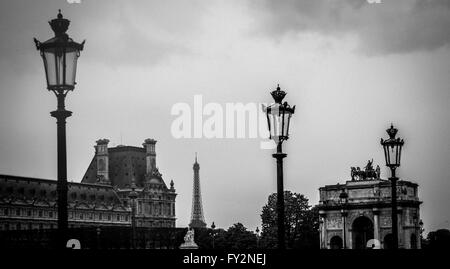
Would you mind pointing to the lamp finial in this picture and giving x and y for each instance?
(278, 95)
(392, 132)
(60, 24)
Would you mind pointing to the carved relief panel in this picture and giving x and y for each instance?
(334, 221)
(385, 221)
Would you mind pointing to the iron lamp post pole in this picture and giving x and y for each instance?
(344, 215)
(279, 156)
(133, 224)
(133, 195)
(278, 120)
(392, 153)
(343, 197)
(257, 237)
(394, 216)
(60, 54)
(213, 228)
(62, 188)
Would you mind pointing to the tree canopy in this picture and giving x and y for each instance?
(301, 222)
(236, 237)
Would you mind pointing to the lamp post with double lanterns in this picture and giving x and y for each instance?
(60, 54)
(392, 153)
(343, 199)
(278, 119)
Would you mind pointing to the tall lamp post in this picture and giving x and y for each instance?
(392, 153)
(343, 198)
(60, 54)
(278, 119)
(213, 227)
(257, 237)
(133, 195)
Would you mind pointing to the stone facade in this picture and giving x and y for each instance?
(120, 166)
(30, 203)
(102, 197)
(366, 214)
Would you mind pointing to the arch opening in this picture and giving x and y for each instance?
(336, 242)
(362, 231)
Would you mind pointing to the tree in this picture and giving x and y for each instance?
(301, 222)
(236, 237)
(439, 239)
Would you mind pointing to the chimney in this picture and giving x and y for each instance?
(150, 155)
(101, 153)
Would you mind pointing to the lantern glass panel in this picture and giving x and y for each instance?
(71, 67)
(60, 66)
(392, 154)
(275, 121)
(287, 119)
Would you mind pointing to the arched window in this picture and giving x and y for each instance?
(336, 242)
(388, 241)
(362, 232)
(101, 165)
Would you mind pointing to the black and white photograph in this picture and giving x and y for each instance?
(240, 128)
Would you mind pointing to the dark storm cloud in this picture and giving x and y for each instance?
(388, 27)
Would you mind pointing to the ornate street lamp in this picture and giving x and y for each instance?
(421, 230)
(257, 236)
(213, 227)
(278, 119)
(133, 195)
(60, 54)
(343, 199)
(392, 153)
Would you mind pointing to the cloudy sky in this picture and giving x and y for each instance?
(350, 67)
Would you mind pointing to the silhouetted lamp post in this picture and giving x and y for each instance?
(213, 227)
(60, 54)
(343, 199)
(421, 230)
(278, 119)
(133, 195)
(392, 153)
(257, 236)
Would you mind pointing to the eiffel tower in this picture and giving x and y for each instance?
(197, 218)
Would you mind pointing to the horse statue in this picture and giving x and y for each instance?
(368, 172)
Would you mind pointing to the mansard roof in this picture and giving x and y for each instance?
(42, 192)
(124, 163)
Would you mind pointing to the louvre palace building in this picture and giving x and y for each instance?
(357, 214)
(100, 199)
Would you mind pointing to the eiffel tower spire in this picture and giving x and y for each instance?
(197, 218)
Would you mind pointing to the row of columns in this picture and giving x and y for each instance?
(347, 232)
